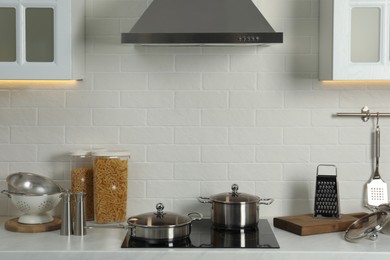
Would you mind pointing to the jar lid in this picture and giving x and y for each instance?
(234, 196)
(159, 218)
(111, 153)
(80, 153)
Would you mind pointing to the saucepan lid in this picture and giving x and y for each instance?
(366, 227)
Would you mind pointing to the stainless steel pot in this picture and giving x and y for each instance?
(234, 209)
(161, 226)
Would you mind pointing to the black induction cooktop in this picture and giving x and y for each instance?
(205, 235)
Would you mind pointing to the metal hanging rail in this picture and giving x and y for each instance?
(365, 114)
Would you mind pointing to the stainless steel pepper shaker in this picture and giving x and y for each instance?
(66, 221)
(80, 227)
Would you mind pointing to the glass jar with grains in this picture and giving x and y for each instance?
(82, 180)
(110, 185)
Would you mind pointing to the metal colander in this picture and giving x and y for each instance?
(35, 208)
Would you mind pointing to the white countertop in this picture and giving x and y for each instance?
(106, 244)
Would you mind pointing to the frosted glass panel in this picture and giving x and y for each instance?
(365, 34)
(7, 34)
(39, 34)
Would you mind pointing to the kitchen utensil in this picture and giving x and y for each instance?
(31, 184)
(35, 208)
(366, 227)
(234, 209)
(161, 226)
(67, 221)
(80, 228)
(307, 224)
(326, 202)
(377, 188)
(13, 225)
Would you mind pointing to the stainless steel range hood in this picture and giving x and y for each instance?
(202, 22)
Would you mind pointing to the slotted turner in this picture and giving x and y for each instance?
(377, 188)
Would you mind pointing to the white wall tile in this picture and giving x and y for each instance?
(147, 63)
(118, 117)
(150, 171)
(91, 135)
(228, 153)
(174, 81)
(118, 8)
(92, 99)
(255, 135)
(37, 135)
(146, 135)
(283, 154)
(5, 100)
(201, 63)
(255, 172)
(18, 153)
(174, 117)
(4, 135)
(120, 81)
(311, 99)
(204, 135)
(282, 117)
(229, 81)
(37, 98)
(228, 117)
(169, 189)
(257, 63)
(147, 99)
(313, 135)
(173, 153)
(18, 116)
(256, 100)
(336, 154)
(200, 172)
(204, 99)
(63, 116)
(102, 63)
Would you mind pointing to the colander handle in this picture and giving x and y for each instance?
(9, 193)
(5, 192)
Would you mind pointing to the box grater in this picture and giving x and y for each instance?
(326, 202)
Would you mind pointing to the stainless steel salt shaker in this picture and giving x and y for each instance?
(80, 227)
(66, 221)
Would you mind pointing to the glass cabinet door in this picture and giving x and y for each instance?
(39, 35)
(7, 34)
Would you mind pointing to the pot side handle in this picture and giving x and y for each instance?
(195, 216)
(6, 192)
(267, 201)
(204, 200)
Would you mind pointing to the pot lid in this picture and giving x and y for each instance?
(367, 226)
(234, 196)
(159, 218)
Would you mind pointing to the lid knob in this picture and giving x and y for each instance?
(160, 209)
(235, 190)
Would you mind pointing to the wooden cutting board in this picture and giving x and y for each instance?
(306, 224)
(14, 226)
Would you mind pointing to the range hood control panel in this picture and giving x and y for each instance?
(248, 38)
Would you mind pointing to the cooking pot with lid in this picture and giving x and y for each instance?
(235, 209)
(161, 226)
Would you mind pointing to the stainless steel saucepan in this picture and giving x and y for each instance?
(235, 209)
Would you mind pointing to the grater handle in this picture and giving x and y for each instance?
(326, 165)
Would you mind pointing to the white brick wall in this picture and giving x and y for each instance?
(198, 119)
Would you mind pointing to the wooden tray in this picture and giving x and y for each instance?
(306, 224)
(14, 226)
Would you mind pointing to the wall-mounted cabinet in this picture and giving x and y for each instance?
(42, 39)
(354, 40)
